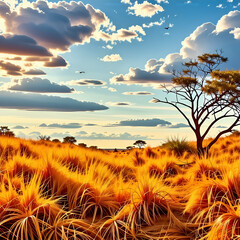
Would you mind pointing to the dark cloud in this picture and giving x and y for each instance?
(57, 125)
(38, 85)
(142, 123)
(10, 68)
(87, 82)
(22, 45)
(56, 62)
(38, 102)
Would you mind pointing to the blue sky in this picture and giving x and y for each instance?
(46, 43)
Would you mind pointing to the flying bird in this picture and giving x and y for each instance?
(82, 72)
(167, 28)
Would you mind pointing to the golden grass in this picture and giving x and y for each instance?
(59, 191)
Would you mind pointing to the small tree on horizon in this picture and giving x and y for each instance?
(44, 138)
(5, 131)
(140, 143)
(208, 94)
(69, 139)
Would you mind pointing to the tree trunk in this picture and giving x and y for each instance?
(200, 149)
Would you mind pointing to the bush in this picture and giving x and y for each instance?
(178, 146)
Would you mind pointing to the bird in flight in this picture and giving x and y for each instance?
(169, 26)
(82, 72)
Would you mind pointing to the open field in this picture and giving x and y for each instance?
(61, 191)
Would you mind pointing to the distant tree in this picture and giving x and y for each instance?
(93, 147)
(82, 145)
(56, 140)
(204, 96)
(129, 147)
(140, 143)
(69, 139)
(5, 131)
(44, 138)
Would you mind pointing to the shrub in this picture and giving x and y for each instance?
(178, 146)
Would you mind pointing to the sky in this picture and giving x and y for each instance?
(124, 52)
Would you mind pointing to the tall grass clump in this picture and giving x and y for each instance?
(178, 146)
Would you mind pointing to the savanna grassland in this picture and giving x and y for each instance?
(62, 191)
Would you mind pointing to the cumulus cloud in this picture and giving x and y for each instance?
(42, 29)
(36, 85)
(142, 93)
(144, 77)
(206, 38)
(38, 102)
(145, 9)
(57, 125)
(86, 82)
(111, 58)
(142, 123)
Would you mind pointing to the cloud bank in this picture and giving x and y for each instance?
(37, 85)
(38, 102)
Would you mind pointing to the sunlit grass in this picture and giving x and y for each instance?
(59, 191)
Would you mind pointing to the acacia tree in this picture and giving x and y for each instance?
(140, 143)
(205, 96)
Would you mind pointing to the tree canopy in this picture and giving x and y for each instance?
(140, 143)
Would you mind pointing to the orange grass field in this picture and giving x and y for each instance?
(61, 191)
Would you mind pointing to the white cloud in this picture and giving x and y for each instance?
(145, 9)
(206, 38)
(220, 6)
(126, 2)
(111, 58)
(156, 23)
